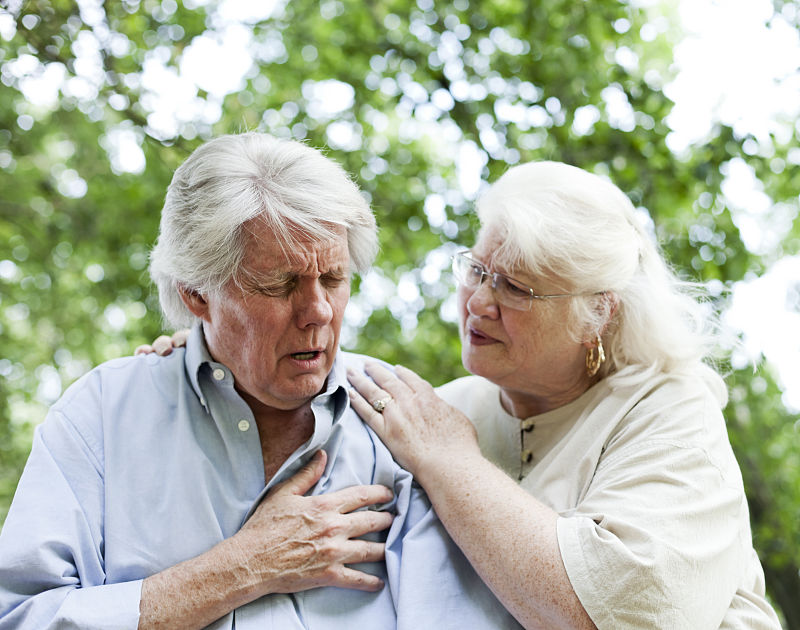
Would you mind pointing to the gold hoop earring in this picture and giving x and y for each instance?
(593, 362)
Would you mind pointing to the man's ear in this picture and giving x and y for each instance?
(195, 302)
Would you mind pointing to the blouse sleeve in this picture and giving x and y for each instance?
(656, 541)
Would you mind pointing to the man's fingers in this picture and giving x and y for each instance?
(304, 479)
(363, 551)
(356, 497)
(367, 521)
(358, 580)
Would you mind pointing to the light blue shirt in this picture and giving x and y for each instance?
(148, 461)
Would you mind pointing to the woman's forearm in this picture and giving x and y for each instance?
(508, 536)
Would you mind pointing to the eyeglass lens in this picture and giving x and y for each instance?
(470, 273)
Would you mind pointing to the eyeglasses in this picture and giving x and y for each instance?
(470, 273)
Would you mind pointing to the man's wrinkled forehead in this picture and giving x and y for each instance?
(296, 250)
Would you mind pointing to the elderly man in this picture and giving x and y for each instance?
(230, 483)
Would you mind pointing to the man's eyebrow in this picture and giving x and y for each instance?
(261, 278)
(340, 270)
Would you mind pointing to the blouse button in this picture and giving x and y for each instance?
(526, 456)
(218, 374)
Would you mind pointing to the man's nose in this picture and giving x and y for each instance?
(312, 305)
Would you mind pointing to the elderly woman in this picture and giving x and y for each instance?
(601, 490)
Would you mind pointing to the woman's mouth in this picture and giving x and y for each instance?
(477, 338)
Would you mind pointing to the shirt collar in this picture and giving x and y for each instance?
(336, 387)
(197, 355)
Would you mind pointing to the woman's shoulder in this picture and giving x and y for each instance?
(467, 389)
(681, 410)
(648, 383)
(476, 398)
(688, 390)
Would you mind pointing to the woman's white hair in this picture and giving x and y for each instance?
(234, 179)
(578, 229)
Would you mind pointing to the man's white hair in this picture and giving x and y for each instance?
(234, 179)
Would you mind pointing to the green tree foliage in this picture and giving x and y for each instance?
(424, 90)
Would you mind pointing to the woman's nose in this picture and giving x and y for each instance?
(482, 302)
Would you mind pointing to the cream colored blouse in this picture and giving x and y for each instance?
(654, 529)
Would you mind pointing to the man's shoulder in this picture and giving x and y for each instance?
(358, 361)
(125, 376)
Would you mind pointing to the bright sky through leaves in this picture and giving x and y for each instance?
(735, 66)
(737, 69)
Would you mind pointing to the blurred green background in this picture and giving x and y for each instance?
(422, 103)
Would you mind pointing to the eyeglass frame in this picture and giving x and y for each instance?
(495, 275)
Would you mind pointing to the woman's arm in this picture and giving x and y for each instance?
(508, 536)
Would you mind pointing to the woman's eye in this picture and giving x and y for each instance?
(516, 289)
(476, 270)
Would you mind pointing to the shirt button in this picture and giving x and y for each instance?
(526, 456)
(218, 374)
(243, 425)
(527, 425)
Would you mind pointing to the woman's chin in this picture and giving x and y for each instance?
(475, 366)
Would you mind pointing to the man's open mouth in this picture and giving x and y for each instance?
(305, 356)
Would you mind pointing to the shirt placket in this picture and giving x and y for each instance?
(236, 423)
(526, 458)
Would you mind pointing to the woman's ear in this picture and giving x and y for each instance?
(606, 307)
(611, 302)
(195, 302)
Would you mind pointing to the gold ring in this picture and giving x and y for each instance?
(380, 405)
